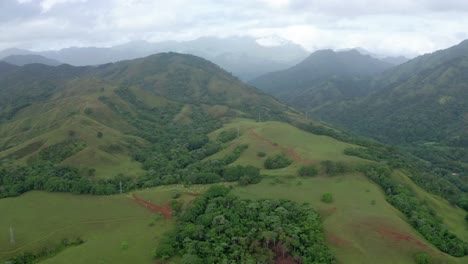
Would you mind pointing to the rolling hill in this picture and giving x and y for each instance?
(324, 77)
(42, 106)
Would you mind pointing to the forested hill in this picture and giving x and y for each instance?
(423, 100)
(325, 76)
(108, 119)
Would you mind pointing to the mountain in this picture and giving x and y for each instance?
(324, 77)
(242, 56)
(131, 103)
(21, 60)
(397, 60)
(394, 60)
(423, 100)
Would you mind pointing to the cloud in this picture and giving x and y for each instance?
(393, 27)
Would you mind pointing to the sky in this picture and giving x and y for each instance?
(396, 27)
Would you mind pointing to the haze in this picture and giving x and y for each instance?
(399, 27)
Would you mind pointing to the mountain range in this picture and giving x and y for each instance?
(242, 56)
(21, 60)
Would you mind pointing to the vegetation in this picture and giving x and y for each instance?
(333, 168)
(277, 161)
(310, 170)
(327, 198)
(219, 227)
(421, 217)
(30, 257)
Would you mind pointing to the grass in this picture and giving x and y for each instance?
(453, 217)
(275, 137)
(104, 222)
(361, 227)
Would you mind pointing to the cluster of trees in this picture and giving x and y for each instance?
(277, 161)
(420, 215)
(309, 170)
(48, 176)
(60, 151)
(221, 228)
(333, 168)
(227, 135)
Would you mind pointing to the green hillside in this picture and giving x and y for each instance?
(360, 226)
(324, 77)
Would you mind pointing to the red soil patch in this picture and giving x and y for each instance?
(401, 237)
(291, 153)
(165, 210)
(281, 258)
(387, 233)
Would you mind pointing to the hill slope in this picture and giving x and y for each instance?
(123, 103)
(21, 60)
(325, 76)
(423, 100)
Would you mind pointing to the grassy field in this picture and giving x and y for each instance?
(104, 222)
(361, 227)
(452, 216)
(275, 137)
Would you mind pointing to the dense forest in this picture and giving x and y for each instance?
(221, 228)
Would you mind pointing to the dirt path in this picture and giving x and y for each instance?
(290, 152)
(165, 210)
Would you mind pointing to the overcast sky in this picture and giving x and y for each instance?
(391, 27)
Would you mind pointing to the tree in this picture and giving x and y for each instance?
(310, 170)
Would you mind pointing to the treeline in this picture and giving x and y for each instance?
(420, 215)
(44, 253)
(221, 228)
(48, 176)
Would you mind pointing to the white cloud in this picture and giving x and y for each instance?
(393, 27)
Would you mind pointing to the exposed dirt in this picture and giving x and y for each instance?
(381, 229)
(290, 152)
(336, 240)
(165, 210)
(282, 257)
(400, 237)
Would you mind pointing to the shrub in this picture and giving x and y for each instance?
(422, 258)
(226, 136)
(277, 162)
(327, 198)
(99, 134)
(310, 170)
(261, 154)
(333, 168)
(88, 111)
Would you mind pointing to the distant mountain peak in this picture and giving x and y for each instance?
(21, 60)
